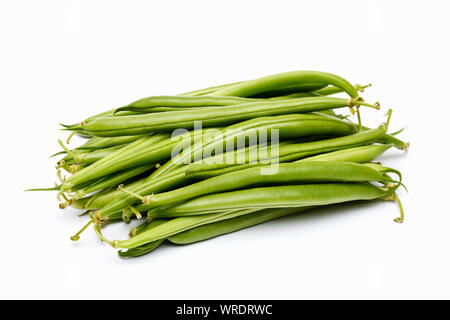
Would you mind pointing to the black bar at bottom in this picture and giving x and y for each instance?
(228, 309)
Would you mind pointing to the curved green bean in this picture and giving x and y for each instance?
(280, 80)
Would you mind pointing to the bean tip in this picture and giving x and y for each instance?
(405, 146)
(133, 232)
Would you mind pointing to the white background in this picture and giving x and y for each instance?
(64, 60)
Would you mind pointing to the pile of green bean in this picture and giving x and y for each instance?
(267, 148)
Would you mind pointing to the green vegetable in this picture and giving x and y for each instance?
(261, 149)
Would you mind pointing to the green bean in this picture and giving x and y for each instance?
(145, 150)
(108, 113)
(287, 126)
(139, 251)
(359, 154)
(225, 226)
(148, 247)
(294, 96)
(286, 152)
(112, 111)
(170, 109)
(147, 104)
(302, 87)
(121, 159)
(83, 134)
(114, 201)
(284, 173)
(385, 170)
(276, 197)
(177, 225)
(327, 91)
(114, 179)
(78, 128)
(202, 103)
(267, 148)
(129, 125)
(143, 226)
(253, 87)
(90, 157)
(330, 90)
(292, 89)
(249, 200)
(389, 139)
(186, 230)
(101, 143)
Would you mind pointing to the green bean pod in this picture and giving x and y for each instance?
(177, 225)
(274, 92)
(280, 80)
(78, 127)
(286, 153)
(114, 179)
(284, 173)
(151, 150)
(276, 197)
(101, 142)
(384, 139)
(247, 201)
(185, 230)
(286, 126)
(147, 104)
(148, 247)
(114, 201)
(113, 162)
(90, 157)
(329, 90)
(359, 154)
(221, 227)
(210, 117)
(390, 139)
(289, 90)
